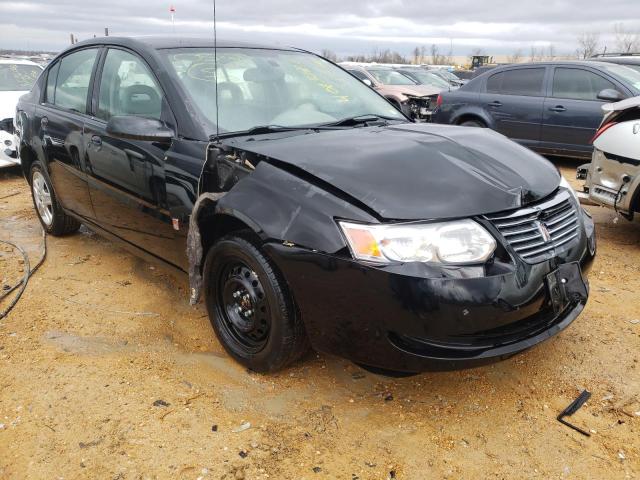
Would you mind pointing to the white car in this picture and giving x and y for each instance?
(612, 178)
(16, 78)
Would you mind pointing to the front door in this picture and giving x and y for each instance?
(61, 117)
(515, 100)
(126, 177)
(572, 111)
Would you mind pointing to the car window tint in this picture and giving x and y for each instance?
(127, 87)
(494, 82)
(522, 81)
(578, 84)
(358, 74)
(74, 76)
(51, 83)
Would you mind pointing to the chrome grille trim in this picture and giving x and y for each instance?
(535, 231)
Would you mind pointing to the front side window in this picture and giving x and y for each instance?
(578, 84)
(17, 77)
(74, 76)
(52, 76)
(127, 87)
(523, 81)
(390, 77)
(257, 87)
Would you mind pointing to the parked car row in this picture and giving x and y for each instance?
(304, 206)
(553, 108)
(16, 78)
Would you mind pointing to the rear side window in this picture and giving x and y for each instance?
(51, 83)
(522, 81)
(578, 84)
(358, 74)
(74, 76)
(127, 87)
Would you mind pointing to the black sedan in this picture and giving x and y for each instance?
(304, 205)
(553, 108)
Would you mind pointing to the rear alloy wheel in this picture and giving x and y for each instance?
(50, 213)
(473, 123)
(250, 306)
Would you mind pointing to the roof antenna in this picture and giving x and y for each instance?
(215, 66)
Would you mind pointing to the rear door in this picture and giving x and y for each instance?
(127, 177)
(572, 111)
(60, 118)
(515, 99)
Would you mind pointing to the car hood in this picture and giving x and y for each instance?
(8, 102)
(417, 90)
(415, 171)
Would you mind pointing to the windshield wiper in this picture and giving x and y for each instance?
(262, 129)
(362, 120)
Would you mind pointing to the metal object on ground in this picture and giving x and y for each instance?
(573, 408)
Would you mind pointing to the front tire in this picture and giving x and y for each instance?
(50, 213)
(250, 306)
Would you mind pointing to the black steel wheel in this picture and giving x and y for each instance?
(250, 306)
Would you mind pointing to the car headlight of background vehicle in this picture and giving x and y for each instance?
(455, 242)
(565, 184)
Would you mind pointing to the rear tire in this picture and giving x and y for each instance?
(250, 306)
(473, 123)
(50, 213)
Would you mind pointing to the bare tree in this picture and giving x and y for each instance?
(551, 52)
(515, 56)
(535, 54)
(436, 58)
(416, 55)
(588, 43)
(329, 54)
(626, 41)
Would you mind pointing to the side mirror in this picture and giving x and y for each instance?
(367, 82)
(610, 95)
(132, 127)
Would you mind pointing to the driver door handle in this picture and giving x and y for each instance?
(495, 104)
(558, 108)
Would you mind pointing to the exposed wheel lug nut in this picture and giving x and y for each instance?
(249, 313)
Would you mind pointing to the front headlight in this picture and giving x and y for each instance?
(455, 242)
(565, 184)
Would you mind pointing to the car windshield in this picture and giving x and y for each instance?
(426, 78)
(260, 87)
(390, 77)
(17, 77)
(450, 75)
(626, 73)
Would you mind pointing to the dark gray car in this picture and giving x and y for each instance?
(553, 107)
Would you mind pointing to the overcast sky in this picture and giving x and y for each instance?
(344, 26)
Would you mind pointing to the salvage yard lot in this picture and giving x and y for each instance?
(107, 372)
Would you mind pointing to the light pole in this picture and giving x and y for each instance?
(172, 11)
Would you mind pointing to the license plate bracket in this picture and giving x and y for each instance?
(566, 285)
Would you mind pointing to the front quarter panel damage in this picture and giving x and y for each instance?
(277, 205)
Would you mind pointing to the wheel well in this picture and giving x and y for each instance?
(214, 226)
(27, 157)
(470, 117)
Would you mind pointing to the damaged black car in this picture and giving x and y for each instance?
(305, 208)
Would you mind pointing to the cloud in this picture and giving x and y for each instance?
(347, 27)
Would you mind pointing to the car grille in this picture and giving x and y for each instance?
(537, 231)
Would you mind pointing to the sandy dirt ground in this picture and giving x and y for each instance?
(107, 372)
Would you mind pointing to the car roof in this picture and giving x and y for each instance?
(160, 42)
(621, 60)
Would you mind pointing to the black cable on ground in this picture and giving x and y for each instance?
(28, 272)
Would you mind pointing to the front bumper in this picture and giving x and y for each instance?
(417, 317)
